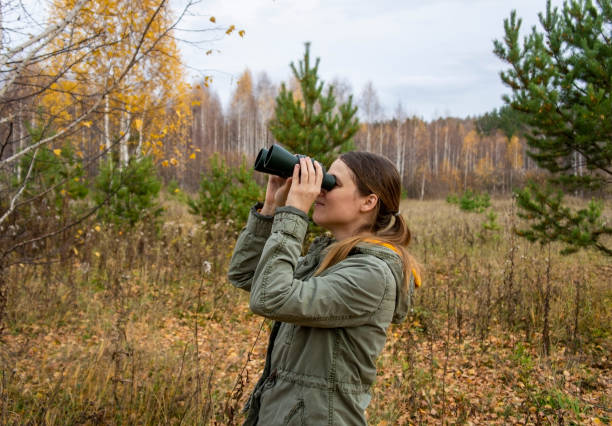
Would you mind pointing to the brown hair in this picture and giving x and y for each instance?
(375, 174)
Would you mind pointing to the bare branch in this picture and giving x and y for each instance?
(8, 138)
(48, 34)
(133, 60)
(18, 194)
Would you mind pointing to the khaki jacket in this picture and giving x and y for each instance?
(328, 330)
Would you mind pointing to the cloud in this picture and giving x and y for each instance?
(436, 54)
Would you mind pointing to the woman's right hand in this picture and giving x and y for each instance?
(276, 194)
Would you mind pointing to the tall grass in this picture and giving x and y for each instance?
(143, 327)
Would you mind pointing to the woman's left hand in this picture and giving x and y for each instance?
(305, 185)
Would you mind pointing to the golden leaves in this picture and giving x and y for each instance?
(213, 19)
(241, 33)
(230, 29)
(57, 152)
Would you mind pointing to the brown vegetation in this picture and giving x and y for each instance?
(144, 327)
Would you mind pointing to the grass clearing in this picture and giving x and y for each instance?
(143, 327)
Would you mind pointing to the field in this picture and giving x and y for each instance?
(143, 327)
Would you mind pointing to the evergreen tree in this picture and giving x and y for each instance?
(308, 122)
(560, 81)
(506, 119)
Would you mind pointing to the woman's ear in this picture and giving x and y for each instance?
(369, 203)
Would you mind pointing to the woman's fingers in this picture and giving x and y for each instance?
(303, 170)
(296, 173)
(307, 178)
(311, 171)
(319, 174)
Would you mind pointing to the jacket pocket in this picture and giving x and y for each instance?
(296, 415)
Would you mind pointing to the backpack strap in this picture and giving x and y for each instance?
(381, 243)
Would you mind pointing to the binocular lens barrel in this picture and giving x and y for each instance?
(280, 162)
(260, 160)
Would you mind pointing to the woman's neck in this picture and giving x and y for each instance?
(348, 232)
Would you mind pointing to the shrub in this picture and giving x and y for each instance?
(173, 189)
(226, 193)
(128, 195)
(56, 177)
(471, 201)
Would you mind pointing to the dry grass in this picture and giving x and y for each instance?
(144, 328)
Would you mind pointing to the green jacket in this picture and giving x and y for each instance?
(328, 330)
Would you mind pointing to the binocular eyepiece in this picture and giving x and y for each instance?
(280, 162)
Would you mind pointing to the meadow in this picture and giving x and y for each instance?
(142, 327)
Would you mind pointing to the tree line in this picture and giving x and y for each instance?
(434, 157)
(100, 84)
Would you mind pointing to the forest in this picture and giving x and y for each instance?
(124, 184)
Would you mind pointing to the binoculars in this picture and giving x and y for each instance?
(280, 162)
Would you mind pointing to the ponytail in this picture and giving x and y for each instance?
(376, 174)
(395, 236)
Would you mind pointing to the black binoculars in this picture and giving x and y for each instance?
(280, 162)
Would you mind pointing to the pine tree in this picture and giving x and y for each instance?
(560, 81)
(309, 123)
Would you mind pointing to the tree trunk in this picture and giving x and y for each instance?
(435, 153)
(124, 155)
(140, 137)
(423, 186)
(107, 141)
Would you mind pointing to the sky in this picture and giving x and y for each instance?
(434, 56)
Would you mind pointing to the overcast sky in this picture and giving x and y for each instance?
(433, 56)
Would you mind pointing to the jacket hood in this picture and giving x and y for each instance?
(403, 294)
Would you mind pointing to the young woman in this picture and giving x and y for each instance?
(331, 307)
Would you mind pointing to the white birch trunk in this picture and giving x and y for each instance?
(435, 156)
(140, 137)
(124, 155)
(21, 136)
(107, 141)
(423, 186)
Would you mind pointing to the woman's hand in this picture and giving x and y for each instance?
(276, 194)
(306, 187)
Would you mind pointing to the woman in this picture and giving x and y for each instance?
(332, 307)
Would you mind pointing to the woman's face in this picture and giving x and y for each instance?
(341, 209)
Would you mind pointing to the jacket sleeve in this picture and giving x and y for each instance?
(348, 294)
(248, 248)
